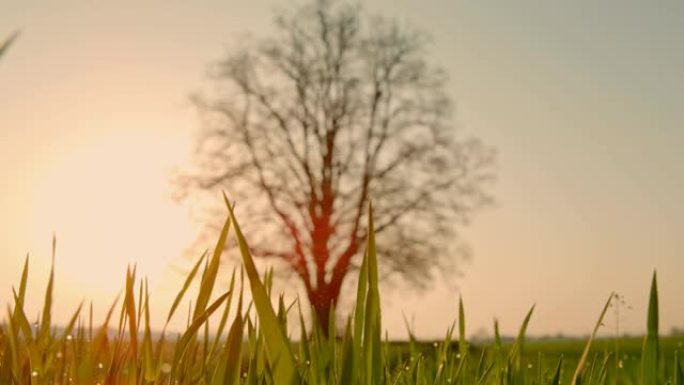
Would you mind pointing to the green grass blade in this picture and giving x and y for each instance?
(651, 348)
(44, 333)
(224, 316)
(347, 364)
(676, 371)
(585, 354)
(72, 322)
(228, 371)
(277, 346)
(517, 351)
(211, 271)
(485, 374)
(234, 348)
(359, 316)
(191, 331)
(149, 365)
(497, 338)
(372, 325)
(186, 285)
(678, 375)
(462, 343)
(20, 320)
(130, 311)
(24, 279)
(140, 305)
(13, 346)
(100, 341)
(555, 380)
(19, 315)
(603, 372)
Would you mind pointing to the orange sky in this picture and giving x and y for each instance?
(583, 102)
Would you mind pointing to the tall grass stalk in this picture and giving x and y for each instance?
(254, 348)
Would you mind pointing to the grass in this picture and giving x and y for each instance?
(250, 344)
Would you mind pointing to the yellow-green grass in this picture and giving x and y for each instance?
(250, 343)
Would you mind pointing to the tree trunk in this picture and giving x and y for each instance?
(323, 301)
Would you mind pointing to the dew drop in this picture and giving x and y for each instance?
(165, 368)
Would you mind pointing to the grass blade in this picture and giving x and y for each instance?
(211, 271)
(497, 339)
(44, 333)
(485, 374)
(24, 279)
(555, 380)
(99, 344)
(224, 316)
(130, 311)
(20, 319)
(516, 353)
(651, 348)
(186, 285)
(372, 332)
(585, 354)
(149, 366)
(189, 334)
(13, 346)
(72, 322)
(359, 316)
(675, 369)
(228, 371)
(462, 344)
(277, 345)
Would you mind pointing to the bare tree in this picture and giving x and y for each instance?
(333, 110)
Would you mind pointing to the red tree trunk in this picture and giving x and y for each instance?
(323, 301)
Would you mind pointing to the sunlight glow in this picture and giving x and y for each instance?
(104, 195)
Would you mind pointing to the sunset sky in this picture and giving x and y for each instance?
(584, 102)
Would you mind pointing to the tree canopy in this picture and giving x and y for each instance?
(334, 109)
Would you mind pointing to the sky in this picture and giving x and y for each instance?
(583, 101)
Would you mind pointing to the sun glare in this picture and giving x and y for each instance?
(102, 196)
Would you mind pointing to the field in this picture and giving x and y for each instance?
(250, 344)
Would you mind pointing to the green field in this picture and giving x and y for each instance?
(250, 344)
